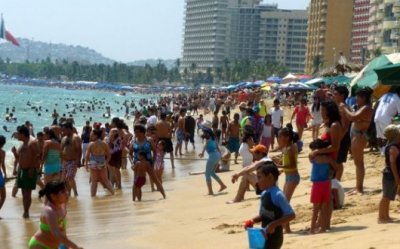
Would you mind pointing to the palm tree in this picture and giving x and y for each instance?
(377, 52)
(193, 68)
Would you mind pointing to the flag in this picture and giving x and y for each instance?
(4, 34)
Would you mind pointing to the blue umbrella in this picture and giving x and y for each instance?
(274, 79)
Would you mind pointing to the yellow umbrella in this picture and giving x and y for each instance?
(266, 88)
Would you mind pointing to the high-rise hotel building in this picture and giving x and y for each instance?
(359, 40)
(329, 31)
(238, 29)
(384, 26)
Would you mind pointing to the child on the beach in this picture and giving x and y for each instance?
(275, 210)
(3, 172)
(224, 120)
(288, 164)
(140, 170)
(391, 173)
(159, 161)
(321, 187)
(53, 219)
(199, 122)
(266, 134)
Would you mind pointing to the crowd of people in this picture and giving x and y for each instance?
(52, 158)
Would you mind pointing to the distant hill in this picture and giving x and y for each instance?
(36, 50)
(153, 62)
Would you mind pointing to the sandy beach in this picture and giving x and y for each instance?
(188, 218)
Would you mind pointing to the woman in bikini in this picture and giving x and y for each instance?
(96, 158)
(53, 222)
(361, 121)
(51, 157)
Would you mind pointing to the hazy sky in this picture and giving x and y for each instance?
(123, 30)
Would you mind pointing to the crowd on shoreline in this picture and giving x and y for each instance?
(51, 158)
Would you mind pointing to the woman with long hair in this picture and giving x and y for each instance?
(51, 157)
(361, 121)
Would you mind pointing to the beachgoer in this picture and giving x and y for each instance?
(141, 143)
(159, 160)
(389, 106)
(391, 173)
(97, 156)
(53, 221)
(224, 121)
(51, 157)
(259, 156)
(303, 115)
(3, 172)
(246, 145)
(139, 168)
(214, 156)
(288, 164)
(266, 134)
(361, 122)
(233, 135)
(277, 120)
(71, 156)
(341, 94)
(28, 160)
(180, 132)
(164, 133)
(321, 187)
(190, 127)
(316, 117)
(275, 210)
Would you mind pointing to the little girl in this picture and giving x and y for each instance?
(321, 187)
(159, 161)
(288, 164)
(266, 132)
(140, 169)
(199, 122)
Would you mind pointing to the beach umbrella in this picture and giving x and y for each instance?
(289, 78)
(274, 79)
(266, 88)
(315, 81)
(368, 76)
(296, 86)
(389, 75)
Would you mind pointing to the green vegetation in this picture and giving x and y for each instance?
(229, 72)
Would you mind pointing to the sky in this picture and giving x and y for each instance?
(122, 30)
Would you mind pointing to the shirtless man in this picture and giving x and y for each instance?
(71, 153)
(28, 160)
(180, 132)
(164, 132)
(233, 136)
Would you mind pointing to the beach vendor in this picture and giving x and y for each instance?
(275, 210)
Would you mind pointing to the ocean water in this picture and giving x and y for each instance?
(48, 99)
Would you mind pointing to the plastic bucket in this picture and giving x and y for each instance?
(256, 238)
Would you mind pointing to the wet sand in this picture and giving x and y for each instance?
(188, 218)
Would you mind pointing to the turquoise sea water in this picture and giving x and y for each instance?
(56, 98)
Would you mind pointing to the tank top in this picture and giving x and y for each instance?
(388, 170)
(116, 153)
(320, 172)
(53, 157)
(246, 154)
(211, 146)
(286, 161)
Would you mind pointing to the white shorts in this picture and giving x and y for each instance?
(380, 127)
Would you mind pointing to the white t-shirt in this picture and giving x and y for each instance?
(246, 155)
(267, 131)
(152, 120)
(336, 185)
(389, 106)
(276, 117)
